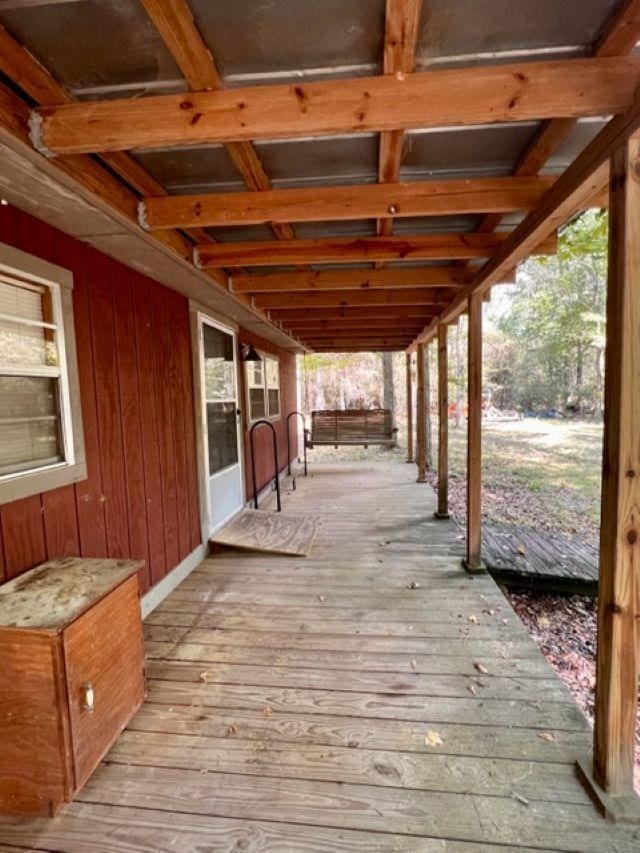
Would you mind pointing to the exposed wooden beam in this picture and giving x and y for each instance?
(619, 38)
(350, 279)
(619, 584)
(21, 67)
(330, 250)
(580, 182)
(376, 347)
(460, 96)
(319, 204)
(391, 331)
(337, 298)
(99, 184)
(174, 22)
(333, 326)
(361, 340)
(358, 313)
(402, 21)
(623, 32)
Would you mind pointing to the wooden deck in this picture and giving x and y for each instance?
(517, 555)
(291, 703)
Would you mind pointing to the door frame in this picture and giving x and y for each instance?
(200, 314)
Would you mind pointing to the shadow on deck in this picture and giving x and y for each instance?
(369, 697)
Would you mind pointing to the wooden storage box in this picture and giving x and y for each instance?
(71, 678)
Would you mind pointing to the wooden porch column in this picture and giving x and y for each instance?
(409, 409)
(473, 559)
(619, 584)
(443, 424)
(421, 417)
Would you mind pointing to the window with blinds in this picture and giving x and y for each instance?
(263, 388)
(32, 385)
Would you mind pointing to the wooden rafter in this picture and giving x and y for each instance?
(21, 67)
(391, 330)
(99, 183)
(461, 96)
(338, 298)
(174, 22)
(584, 177)
(619, 38)
(335, 250)
(349, 279)
(402, 20)
(423, 198)
(332, 325)
(371, 312)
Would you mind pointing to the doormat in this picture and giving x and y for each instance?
(272, 532)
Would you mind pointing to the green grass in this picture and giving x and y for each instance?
(545, 473)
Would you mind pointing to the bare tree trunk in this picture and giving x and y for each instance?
(388, 395)
(458, 422)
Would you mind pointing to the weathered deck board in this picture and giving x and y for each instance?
(289, 701)
(524, 556)
(262, 530)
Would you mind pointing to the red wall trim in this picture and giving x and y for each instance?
(140, 497)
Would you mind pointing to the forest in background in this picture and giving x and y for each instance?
(543, 343)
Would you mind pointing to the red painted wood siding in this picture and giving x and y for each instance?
(134, 360)
(262, 437)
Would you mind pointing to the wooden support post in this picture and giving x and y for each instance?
(619, 584)
(473, 559)
(443, 424)
(409, 409)
(427, 392)
(421, 417)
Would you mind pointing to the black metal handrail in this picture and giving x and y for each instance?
(275, 462)
(304, 443)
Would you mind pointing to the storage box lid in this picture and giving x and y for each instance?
(57, 592)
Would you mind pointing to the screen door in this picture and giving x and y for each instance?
(225, 494)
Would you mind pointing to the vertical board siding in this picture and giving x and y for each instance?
(162, 344)
(90, 512)
(127, 367)
(108, 404)
(140, 496)
(149, 424)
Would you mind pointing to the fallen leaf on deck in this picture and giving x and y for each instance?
(520, 799)
(433, 739)
(522, 551)
(204, 675)
(414, 665)
(481, 669)
(472, 689)
(267, 711)
(232, 729)
(546, 736)
(473, 619)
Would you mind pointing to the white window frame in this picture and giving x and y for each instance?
(27, 268)
(265, 356)
(271, 388)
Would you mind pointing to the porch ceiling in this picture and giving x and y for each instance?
(312, 184)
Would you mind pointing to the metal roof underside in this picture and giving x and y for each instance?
(101, 49)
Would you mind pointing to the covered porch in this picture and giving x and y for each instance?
(372, 696)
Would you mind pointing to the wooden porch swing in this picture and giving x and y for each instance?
(352, 427)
